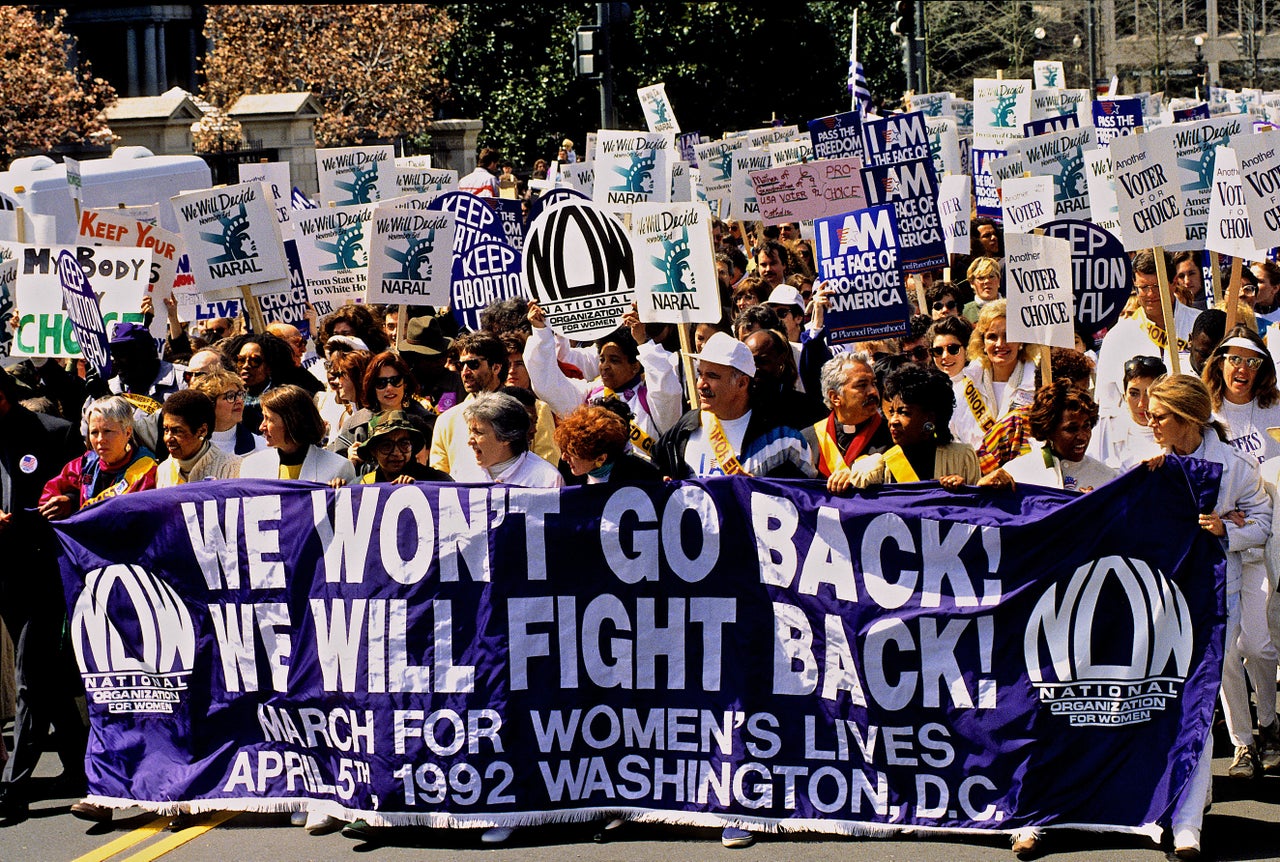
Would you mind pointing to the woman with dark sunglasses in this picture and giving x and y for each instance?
(1241, 376)
(946, 340)
(388, 385)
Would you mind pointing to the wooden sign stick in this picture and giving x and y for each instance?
(1046, 356)
(1215, 266)
(402, 323)
(1233, 293)
(252, 310)
(1166, 300)
(916, 279)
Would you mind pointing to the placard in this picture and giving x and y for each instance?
(786, 153)
(859, 257)
(1038, 286)
(277, 178)
(760, 139)
(633, 167)
(81, 304)
(333, 248)
(895, 139)
(511, 218)
(675, 271)
(410, 256)
(659, 116)
(487, 272)
(743, 205)
(810, 191)
(425, 181)
(8, 304)
(351, 176)
(1027, 202)
(1101, 273)
(985, 190)
(1192, 146)
(1115, 117)
(1047, 103)
(1000, 108)
(1229, 230)
(1060, 155)
(1258, 157)
(715, 160)
(1103, 209)
(1048, 73)
(232, 236)
(1147, 193)
(838, 136)
(475, 221)
(944, 146)
(1050, 124)
(954, 203)
(580, 267)
(912, 188)
(104, 228)
(931, 104)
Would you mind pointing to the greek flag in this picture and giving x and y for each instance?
(301, 202)
(857, 80)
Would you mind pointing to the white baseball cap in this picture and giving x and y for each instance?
(722, 349)
(785, 294)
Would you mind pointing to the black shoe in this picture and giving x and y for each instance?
(13, 807)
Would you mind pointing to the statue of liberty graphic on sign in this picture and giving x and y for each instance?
(363, 184)
(1069, 182)
(660, 114)
(1003, 110)
(638, 176)
(415, 260)
(721, 165)
(1051, 76)
(674, 264)
(1202, 165)
(347, 249)
(235, 240)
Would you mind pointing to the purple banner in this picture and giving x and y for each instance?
(730, 651)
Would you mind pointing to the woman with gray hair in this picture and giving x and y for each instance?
(116, 463)
(498, 427)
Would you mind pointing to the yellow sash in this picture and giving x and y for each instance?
(977, 406)
(896, 460)
(720, 446)
(133, 473)
(142, 402)
(1160, 338)
(639, 438)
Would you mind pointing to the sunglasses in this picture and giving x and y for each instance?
(1249, 290)
(384, 382)
(188, 376)
(1254, 362)
(216, 331)
(949, 305)
(1144, 366)
(473, 364)
(386, 447)
(949, 349)
(250, 361)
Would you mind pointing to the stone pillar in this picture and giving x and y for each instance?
(149, 61)
(453, 144)
(131, 59)
(162, 61)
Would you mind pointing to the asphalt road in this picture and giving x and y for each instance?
(1244, 824)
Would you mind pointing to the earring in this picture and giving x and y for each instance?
(931, 430)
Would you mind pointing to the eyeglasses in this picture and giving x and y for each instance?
(1249, 290)
(919, 353)
(386, 447)
(949, 349)
(1157, 418)
(473, 364)
(949, 305)
(215, 331)
(233, 397)
(1144, 366)
(384, 382)
(188, 376)
(250, 361)
(1254, 362)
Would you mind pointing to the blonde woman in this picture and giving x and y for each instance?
(998, 379)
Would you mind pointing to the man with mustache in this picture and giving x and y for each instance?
(855, 426)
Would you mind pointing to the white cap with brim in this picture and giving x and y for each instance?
(1242, 343)
(785, 294)
(722, 349)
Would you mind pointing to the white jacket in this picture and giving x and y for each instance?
(1241, 488)
(318, 466)
(1018, 392)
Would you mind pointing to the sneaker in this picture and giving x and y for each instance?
(1027, 845)
(13, 806)
(736, 838)
(497, 834)
(90, 811)
(1187, 854)
(361, 830)
(1269, 746)
(321, 824)
(1245, 762)
(182, 821)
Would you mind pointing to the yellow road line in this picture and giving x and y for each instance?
(177, 839)
(124, 842)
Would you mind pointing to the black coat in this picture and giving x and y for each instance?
(627, 470)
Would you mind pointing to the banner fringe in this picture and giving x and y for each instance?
(440, 820)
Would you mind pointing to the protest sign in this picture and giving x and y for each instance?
(896, 139)
(675, 270)
(299, 201)
(410, 256)
(232, 236)
(986, 193)
(790, 153)
(715, 160)
(760, 139)
(1229, 228)
(1190, 148)
(838, 136)
(425, 181)
(1115, 117)
(1103, 209)
(581, 176)
(278, 182)
(954, 201)
(1006, 167)
(1060, 155)
(288, 305)
(476, 220)
(1028, 203)
(1000, 108)
(962, 110)
(356, 175)
(859, 257)
(944, 146)
(82, 308)
(633, 167)
(1048, 73)
(1038, 284)
(105, 228)
(1050, 124)
(1258, 157)
(686, 142)
(931, 104)
(1147, 193)
(658, 114)
(75, 181)
(487, 272)
(1196, 112)
(799, 192)
(681, 182)
(912, 188)
(119, 276)
(743, 205)
(511, 217)
(1049, 103)
(1101, 273)
(580, 267)
(8, 304)
(832, 664)
(333, 248)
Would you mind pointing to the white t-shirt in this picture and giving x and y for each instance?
(1121, 443)
(698, 455)
(1247, 426)
(1127, 339)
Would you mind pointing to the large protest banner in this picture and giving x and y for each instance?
(120, 278)
(356, 175)
(735, 650)
(860, 258)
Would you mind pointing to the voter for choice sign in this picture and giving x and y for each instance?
(1147, 194)
(1038, 286)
